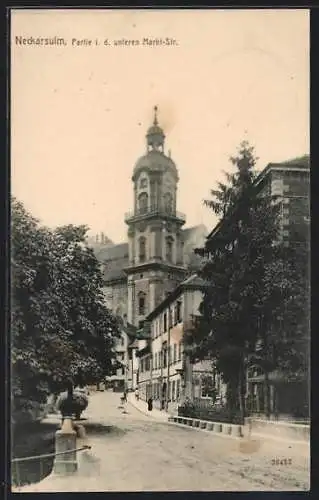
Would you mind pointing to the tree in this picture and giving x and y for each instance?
(62, 333)
(236, 260)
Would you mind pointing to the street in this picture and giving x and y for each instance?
(134, 452)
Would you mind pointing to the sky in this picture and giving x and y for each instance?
(79, 113)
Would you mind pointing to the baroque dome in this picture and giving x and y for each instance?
(154, 161)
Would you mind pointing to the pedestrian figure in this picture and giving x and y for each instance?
(137, 394)
(125, 396)
(150, 404)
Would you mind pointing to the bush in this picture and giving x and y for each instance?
(79, 403)
(195, 410)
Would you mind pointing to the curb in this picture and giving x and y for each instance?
(216, 428)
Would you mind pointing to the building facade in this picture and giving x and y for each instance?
(165, 371)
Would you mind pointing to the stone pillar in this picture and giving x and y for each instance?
(65, 440)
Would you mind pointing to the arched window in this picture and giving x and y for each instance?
(168, 202)
(142, 249)
(141, 303)
(169, 249)
(143, 203)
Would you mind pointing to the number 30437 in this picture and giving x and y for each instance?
(281, 461)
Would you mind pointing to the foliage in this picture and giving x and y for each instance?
(255, 294)
(213, 414)
(61, 329)
(79, 402)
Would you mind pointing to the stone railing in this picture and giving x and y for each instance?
(274, 428)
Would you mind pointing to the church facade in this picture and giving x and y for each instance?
(158, 256)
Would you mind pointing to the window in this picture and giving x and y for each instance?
(207, 389)
(165, 322)
(179, 351)
(168, 203)
(142, 249)
(170, 317)
(170, 352)
(173, 390)
(174, 354)
(169, 249)
(147, 363)
(178, 311)
(143, 183)
(141, 303)
(123, 371)
(178, 384)
(164, 355)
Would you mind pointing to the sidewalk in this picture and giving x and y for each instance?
(156, 414)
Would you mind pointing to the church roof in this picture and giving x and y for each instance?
(115, 259)
(112, 252)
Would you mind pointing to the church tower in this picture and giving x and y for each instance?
(154, 229)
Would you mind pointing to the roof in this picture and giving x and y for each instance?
(115, 259)
(194, 237)
(193, 230)
(155, 161)
(300, 161)
(112, 252)
(130, 330)
(193, 282)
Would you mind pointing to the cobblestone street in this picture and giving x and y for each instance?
(135, 452)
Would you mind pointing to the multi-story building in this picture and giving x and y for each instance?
(165, 371)
(290, 182)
